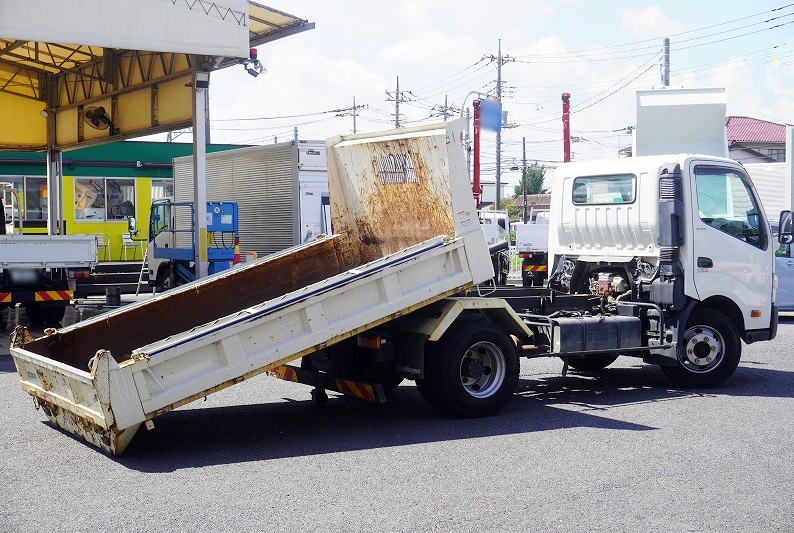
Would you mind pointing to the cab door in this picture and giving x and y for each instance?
(733, 252)
(784, 269)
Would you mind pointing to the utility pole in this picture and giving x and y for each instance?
(500, 60)
(355, 114)
(666, 63)
(566, 127)
(499, 131)
(524, 179)
(397, 97)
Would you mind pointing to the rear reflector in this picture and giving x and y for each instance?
(371, 342)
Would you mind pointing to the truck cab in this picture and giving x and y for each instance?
(685, 235)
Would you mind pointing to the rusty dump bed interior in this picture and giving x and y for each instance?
(121, 332)
(375, 211)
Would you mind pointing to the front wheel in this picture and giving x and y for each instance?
(709, 351)
(471, 371)
(165, 280)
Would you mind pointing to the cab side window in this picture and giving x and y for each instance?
(726, 202)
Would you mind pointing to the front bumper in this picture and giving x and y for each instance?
(755, 335)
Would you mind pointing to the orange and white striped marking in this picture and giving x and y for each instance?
(359, 390)
(287, 373)
(52, 296)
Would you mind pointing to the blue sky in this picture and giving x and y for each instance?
(436, 47)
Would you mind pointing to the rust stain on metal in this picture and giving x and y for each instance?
(20, 337)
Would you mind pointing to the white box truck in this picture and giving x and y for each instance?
(281, 190)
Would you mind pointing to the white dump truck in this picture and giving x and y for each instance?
(662, 258)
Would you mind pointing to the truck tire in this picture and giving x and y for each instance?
(38, 315)
(708, 353)
(591, 363)
(165, 281)
(471, 371)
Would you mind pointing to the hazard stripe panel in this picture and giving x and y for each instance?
(284, 372)
(51, 296)
(5, 297)
(535, 268)
(359, 390)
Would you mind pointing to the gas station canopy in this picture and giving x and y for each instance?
(92, 71)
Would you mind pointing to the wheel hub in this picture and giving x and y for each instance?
(473, 368)
(483, 369)
(704, 349)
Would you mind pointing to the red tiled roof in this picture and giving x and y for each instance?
(753, 130)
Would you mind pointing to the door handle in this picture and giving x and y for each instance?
(705, 262)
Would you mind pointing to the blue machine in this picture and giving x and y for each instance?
(222, 238)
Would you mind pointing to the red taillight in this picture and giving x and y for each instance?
(78, 274)
(371, 342)
(524, 256)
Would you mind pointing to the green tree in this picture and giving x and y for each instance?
(533, 179)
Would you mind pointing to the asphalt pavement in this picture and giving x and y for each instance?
(618, 451)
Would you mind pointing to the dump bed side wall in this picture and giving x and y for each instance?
(195, 304)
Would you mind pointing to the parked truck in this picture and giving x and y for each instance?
(41, 271)
(532, 242)
(170, 257)
(662, 258)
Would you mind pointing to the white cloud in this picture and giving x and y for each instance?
(649, 22)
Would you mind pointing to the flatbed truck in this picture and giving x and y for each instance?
(40, 272)
(395, 294)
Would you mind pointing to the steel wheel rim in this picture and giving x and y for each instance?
(704, 349)
(482, 369)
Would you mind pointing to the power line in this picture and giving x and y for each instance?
(283, 116)
(702, 28)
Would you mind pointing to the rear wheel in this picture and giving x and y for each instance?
(471, 371)
(709, 351)
(591, 363)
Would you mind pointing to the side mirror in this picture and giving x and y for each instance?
(785, 231)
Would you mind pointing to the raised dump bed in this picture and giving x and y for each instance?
(407, 236)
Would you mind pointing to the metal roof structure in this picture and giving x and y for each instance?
(753, 130)
(142, 91)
